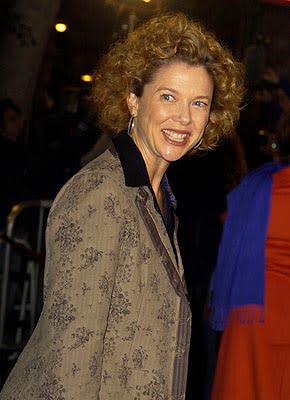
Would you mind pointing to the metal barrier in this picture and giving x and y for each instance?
(33, 256)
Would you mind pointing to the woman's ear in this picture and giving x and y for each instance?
(132, 102)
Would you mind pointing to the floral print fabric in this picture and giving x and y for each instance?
(116, 321)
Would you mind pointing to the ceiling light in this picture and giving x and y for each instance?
(86, 78)
(60, 27)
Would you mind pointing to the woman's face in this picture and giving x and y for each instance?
(172, 113)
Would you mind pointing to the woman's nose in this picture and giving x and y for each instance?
(183, 114)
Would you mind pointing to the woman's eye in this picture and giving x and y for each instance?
(200, 103)
(167, 97)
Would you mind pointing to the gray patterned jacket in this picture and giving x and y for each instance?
(116, 321)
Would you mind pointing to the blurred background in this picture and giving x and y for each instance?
(43, 66)
(48, 52)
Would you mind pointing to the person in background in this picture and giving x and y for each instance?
(57, 140)
(12, 158)
(268, 100)
(116, 320)
(250, 287)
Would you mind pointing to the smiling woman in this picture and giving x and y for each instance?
(163, 40)
(171, 115)
(116, 321)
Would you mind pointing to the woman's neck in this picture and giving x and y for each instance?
(156, 172)
(156, 168)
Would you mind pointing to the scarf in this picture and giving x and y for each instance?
(239, 279)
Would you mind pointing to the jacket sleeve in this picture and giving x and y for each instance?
(63, 359)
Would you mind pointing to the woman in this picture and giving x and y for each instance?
(116, 319)
(251, 286)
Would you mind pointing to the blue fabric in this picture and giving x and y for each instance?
(239, 277)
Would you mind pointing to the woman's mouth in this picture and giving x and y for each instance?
(175, 136)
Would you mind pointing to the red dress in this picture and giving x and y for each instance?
(254, 359)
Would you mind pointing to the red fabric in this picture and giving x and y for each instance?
(254, 359)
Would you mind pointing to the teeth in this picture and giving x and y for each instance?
(174, 135)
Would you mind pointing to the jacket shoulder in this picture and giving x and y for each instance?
(102, 174)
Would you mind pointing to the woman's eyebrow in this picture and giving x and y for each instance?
(166, 88)
(175, 91)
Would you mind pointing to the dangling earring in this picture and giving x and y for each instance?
(131, 124)
(198, 144)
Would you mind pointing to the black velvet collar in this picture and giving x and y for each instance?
(133, 165)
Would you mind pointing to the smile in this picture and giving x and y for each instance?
(175, 136)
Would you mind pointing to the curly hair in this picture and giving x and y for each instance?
(131, 63)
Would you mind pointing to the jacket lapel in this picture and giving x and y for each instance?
(155, 226)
